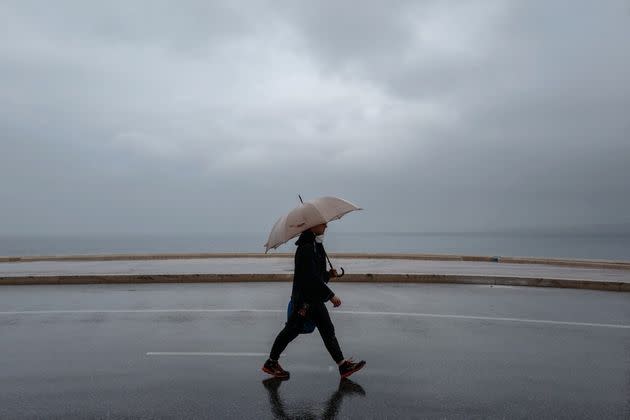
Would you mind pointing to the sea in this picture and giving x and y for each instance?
(526, 243)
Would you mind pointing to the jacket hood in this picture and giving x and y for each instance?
(305, 237)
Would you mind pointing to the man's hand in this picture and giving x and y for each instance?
(335, 301)
(333, 273)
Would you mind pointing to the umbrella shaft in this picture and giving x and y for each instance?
(329, 263)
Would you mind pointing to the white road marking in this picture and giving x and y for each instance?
(134, 311)
(190, 353)
(274, 311)
(489, 318)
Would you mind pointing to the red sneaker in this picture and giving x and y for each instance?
(274, 368)
(348, 367)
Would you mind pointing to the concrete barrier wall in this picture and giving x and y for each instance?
(622, 265)
(349, 278)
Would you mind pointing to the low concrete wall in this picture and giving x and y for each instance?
(622, 265)
(348, 278)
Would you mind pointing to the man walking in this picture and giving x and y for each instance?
(309, 294)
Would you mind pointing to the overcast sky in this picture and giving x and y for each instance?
(200, 116)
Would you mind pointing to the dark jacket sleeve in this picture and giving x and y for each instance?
(311, 280)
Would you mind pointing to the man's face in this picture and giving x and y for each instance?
(319, 229)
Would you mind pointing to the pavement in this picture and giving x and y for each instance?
(279, 269)
(194, 351)
(285, 265)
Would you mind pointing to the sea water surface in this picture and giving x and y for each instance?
(558, 244)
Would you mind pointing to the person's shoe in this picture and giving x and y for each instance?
(348, 367)
(274, 368)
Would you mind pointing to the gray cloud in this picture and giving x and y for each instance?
(212, 116)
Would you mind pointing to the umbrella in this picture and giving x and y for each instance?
(309, 214)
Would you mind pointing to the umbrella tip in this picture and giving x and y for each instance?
(300, 197)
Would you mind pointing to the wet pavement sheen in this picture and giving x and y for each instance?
(91, 361)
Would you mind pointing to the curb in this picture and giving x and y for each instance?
(348, 278)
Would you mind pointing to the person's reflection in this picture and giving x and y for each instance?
(346, 387)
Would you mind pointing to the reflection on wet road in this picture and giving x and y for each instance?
(297, 411)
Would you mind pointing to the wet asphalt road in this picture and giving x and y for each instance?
(432, 351)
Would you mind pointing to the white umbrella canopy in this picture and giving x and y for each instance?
(310, 213)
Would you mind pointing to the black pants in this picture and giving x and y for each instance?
(319, 314)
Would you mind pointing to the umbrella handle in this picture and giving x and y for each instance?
(331, 267)
(342, 272)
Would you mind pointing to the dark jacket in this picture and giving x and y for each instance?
(310, 275)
